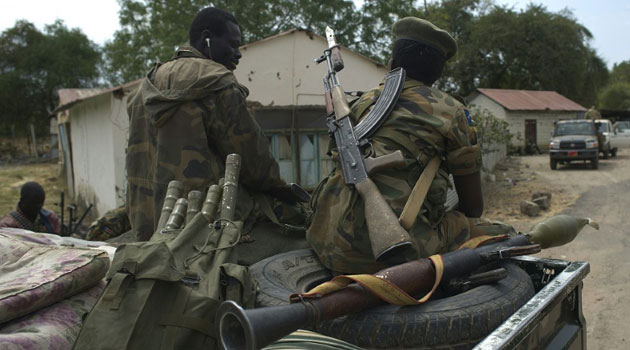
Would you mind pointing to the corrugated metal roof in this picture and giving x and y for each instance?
(69, 97)
(529, 100)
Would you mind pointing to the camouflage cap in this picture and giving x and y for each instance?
(421, 30)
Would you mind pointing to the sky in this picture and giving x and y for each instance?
(608, 20)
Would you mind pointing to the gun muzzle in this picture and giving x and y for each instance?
(251, 330)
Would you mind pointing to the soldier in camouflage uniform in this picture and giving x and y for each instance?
(425, 122)
(186, 116)
(112, 224)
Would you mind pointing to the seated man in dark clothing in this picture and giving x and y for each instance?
(30, 214)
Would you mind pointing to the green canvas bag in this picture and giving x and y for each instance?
(163, 294)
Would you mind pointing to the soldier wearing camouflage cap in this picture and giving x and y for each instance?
(425, 123)
(186, 116)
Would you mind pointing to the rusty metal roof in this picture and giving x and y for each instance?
(529, 100)
(69, 97)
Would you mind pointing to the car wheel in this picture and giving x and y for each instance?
(606, 151)
(553, 164)
(595, 163)
(613, 152)
(453, 322)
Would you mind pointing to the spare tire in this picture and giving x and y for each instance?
(455, 322)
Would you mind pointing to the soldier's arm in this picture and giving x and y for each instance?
(468, 189)
(8, 221)
(236, 131)
(464, 161)
(53, 219)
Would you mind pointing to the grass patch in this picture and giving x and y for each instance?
(12, 177)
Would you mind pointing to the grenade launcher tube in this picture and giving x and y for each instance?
(254, 328)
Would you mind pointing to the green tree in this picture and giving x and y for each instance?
(492, 132)
(151, 30)
(374, 26)
(615, 96)
(532, 49)
(499, 47)
(35, 64)
(620, 73)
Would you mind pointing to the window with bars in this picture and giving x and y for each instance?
(281, 148)
(314, 164)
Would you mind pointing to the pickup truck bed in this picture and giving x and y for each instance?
(553, 318)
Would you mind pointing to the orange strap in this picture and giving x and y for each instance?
(387, 291)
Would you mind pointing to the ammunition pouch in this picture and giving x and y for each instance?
(158, 297)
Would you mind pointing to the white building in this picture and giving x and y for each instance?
(286, 93)
(530, 114)
(93, 131)
(286, 97)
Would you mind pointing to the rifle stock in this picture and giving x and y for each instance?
(386, 238)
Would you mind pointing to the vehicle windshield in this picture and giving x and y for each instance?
(621, 126)
(573, 129)
(603, 127)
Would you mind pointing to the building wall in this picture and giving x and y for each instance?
(99, 131)
(544, 124)
(120, 135)
(282, 72)
(482, 101)
(516, 120)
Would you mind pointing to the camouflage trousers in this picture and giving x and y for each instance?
(457, 229)
(454, 229)
(112, 224)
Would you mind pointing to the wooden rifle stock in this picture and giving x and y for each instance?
(387, 237)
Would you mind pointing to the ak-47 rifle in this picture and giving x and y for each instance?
(384, 230)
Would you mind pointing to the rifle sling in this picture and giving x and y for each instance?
(419, 192)
(382, 288)
(394, 81)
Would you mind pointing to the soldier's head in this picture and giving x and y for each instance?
(216, 34)
(421, 49)
(32, 198)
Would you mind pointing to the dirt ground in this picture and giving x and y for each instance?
(516, 179)
(604, 196)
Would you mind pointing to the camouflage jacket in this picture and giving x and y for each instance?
(186, 116)
(425, 122)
